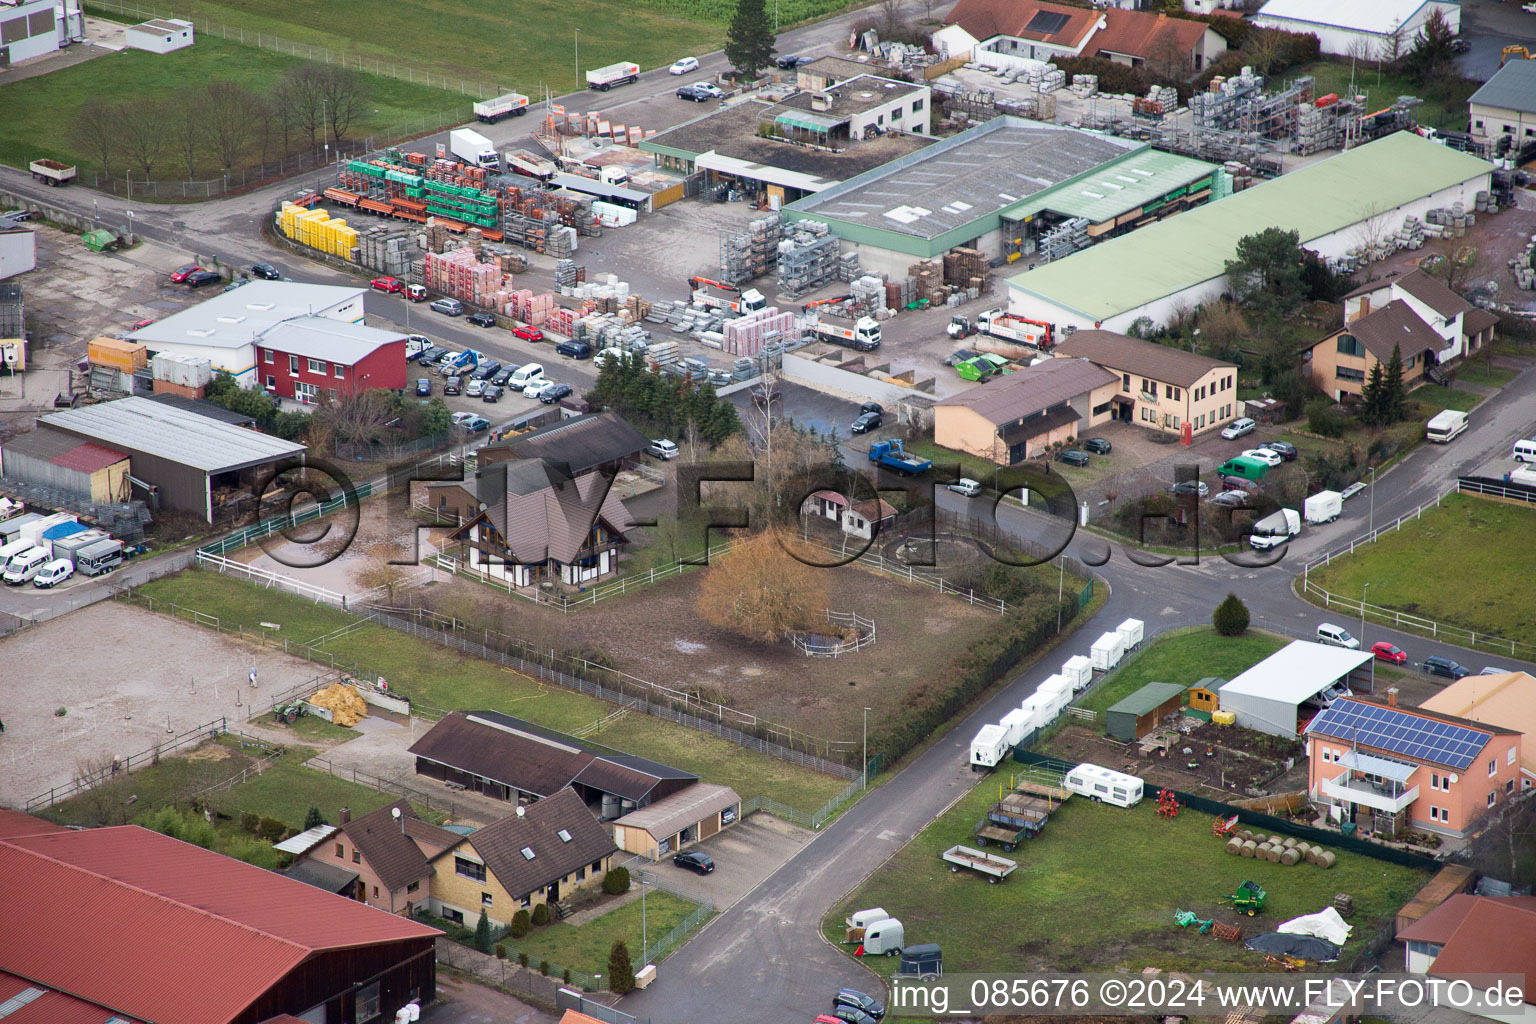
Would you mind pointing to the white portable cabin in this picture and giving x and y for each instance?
(1078, 670)
(1131, 631)
(1031, 708)
(988, 748)
(1016, 724)
(1105, 785)
(1107, 651)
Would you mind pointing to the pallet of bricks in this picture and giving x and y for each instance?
(746, 335)
(928, 283)
(530, 308)
(459, 274)
(968, 270)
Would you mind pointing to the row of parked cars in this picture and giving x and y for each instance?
(1384, 650)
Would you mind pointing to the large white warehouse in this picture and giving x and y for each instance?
(1366, 29)
(1335, 205)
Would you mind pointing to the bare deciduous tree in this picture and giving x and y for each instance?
(384, 570)
(266, 126)
(184, 125)
(230, 114)
(346, 95)
(142, 125)
(96, 130)
(355, 418)
(761, 592)
(301, 96)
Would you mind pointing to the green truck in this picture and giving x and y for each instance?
(1248, 469)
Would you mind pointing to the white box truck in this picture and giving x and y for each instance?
(1079, 672)
(471, 147)
(513, 104)
(622, 73)
(1444, 426)
(1322, 507)
(1100, 783)
(988, 748)
(1107, 651)
(1131, 631)
(1275, 529)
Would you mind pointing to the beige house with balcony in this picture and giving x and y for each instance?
(1016, 417)
(1159, 387)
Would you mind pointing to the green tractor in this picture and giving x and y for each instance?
(1249, 899)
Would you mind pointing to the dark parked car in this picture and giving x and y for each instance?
(574, 349)
(1284, 449)
(858, 1000)
(451, 386)
(1098, 445)
(789, 61)
(1199, 487)
(697, 95)
(1459, 45)
(478, 425)
(553, 393)
(1231, 499)
(493, 393)
(694, 860)
(866, 422)
(423, 387)
(503, 375)
(874, 407)
(266, 271)
(198, 278)
(481, 320)
(852, 1014)
(486, 370)
(1073, 457)
(1438, 666)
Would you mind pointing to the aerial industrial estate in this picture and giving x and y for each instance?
(797, 513)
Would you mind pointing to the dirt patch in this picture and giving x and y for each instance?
(210, 753)
(1208, 768)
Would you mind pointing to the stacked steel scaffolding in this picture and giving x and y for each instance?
(750, 254)
(808, 259)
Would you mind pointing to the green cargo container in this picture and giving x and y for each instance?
(1248, 469)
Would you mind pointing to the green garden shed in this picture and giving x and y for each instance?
(1140, 713)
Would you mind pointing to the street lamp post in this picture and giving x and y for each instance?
(645, 944)
(325, 130)
(866, 748)
(1372, 528)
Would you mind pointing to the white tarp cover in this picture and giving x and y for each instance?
(1325, 924)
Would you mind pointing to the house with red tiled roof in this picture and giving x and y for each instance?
(128, 923)
(1470, 934)
(380, 859)
(1170, 48)
(1006, 33)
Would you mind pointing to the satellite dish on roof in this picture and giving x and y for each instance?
(1455, 778)
(520, 812)
(395, 813)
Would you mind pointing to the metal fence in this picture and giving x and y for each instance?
(1392, 527)
(280, 524)
(269, 579)
(238, 178)
(383, 785)
(821, 647)
(380, 66)
(815, 819)
(122, 766)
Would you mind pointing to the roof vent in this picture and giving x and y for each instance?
(528, 853)
(230, 319)
(263, 306)
(201, 332)
(866, 95)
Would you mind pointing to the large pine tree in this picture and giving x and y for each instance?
(1394, 394)
(1370, 397)
(749, 39)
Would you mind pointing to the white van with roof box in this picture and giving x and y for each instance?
(24, 566)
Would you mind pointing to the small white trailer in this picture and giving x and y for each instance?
(1131, 631)
(886, 936)
(1016, 724)
(513, 104)
(988, 748)
(1078, 670)
(1033, 707)
(1322, 507)
(994, 867)
(1104, 784)
(605, 78)
(1107, 651)
(1053, 685)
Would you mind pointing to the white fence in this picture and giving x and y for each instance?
(864, 630)
(270, 580)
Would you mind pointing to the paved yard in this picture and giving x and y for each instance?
(464, 1002)
(744, 855)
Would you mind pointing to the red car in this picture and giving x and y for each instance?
(1389, 652)
(143, 323)
(182, 273)
(386, 284)
(528, 333)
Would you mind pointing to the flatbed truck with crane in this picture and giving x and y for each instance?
(734, 301)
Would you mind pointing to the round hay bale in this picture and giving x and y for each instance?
(1248, 848)
(1262, 853)
(1274, 853)
(1245, 834)
(1326, 859)
(1309, 854)
(1291, 842)
(1290, 857)
(1234, 846)
(1260, 838)
(1317, 855)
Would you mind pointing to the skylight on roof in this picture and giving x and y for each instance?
(528, 853)
(1092, 195)
(1126, 178)
(1141, 171)
(1110, 184)
(565, 836)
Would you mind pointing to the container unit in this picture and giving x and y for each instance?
(1131, 631)
(1032, 706)
(68, 547)
(988, 748)
(58, 532)
(10, 529)
(1107, 651)
(35, 530)
(100, 557)
(1016, 726)
(127, 356)
(187, 371)
(1078, 671)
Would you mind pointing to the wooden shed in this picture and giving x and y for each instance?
(1206, 694)
(1448, 881)
(1140, 713)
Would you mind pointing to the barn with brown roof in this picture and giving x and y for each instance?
(385, 853)
(1016, 417)
(1174, 49)
(148, 928)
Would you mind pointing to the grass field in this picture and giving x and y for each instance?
(1467, 563)
(1445, 106)
(586, 947)
(1481, 373)
(1098, 890)
(39, 110)
(1184, 657)
(440, 678)
(1456, 398)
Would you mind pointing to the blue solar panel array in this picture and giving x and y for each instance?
(1401, 733)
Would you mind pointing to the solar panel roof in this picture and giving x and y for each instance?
(1047, 22)
(1391, 729)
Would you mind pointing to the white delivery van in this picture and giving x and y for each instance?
(525, 375)
(1525, 450)
(12, 548)
(54, 572)
(24, 566)
(988, 748)
(1336, 636)
(1102, 784)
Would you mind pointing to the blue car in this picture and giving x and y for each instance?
(423, 387)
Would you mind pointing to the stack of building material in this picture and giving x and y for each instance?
(1411, 234)
(568, 274)
(967, 268)
(869, 294)
(747, 335)
(611, 215)
(1085, 85)
(1524, 266)
(532, 309)
(662, 353)
(1064, 239)
(1052, 80)
(807, 260)
(848, 266)
(928, 282)
(386, 250)
(459, 274)
(317, 229)
(561, 320)
(749, 254)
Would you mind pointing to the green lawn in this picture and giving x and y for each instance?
(39, 110)
(1445, 106)
(1184, 657)
(1467, 563)
(440, 678)
(586, 947)
(1456, 398)
(1479, 372)
(1098, 891)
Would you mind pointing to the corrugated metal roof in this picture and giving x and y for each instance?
(141, 425)
(240, 317)
(306, 841)
(334, 341)
(1118, 187)
(1167, 257)
(46, 445)
(88, 457)
(1148, 698)
(670, 815)
(164, 917)
(15, 823)
(1296, 671)
(1376, 16)
(1513, 87)
(23, 1002)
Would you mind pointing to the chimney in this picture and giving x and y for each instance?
(1391, 696)
(346, 815)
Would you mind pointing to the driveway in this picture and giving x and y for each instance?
(464, 1002)
(744, 855)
